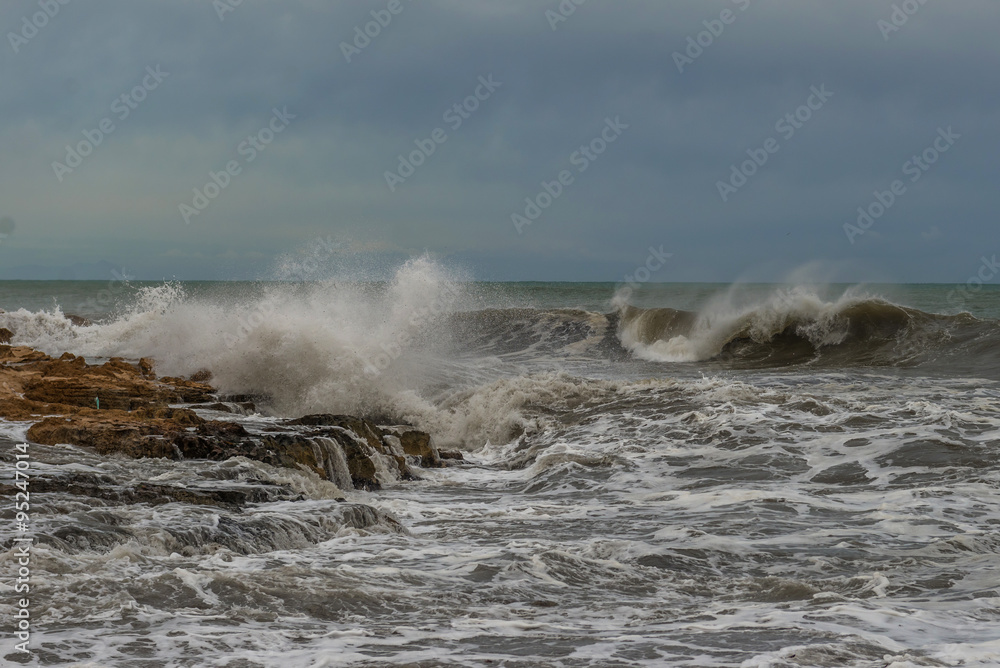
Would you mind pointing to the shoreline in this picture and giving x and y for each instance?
(124, 408)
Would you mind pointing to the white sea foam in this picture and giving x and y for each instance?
(733, 312)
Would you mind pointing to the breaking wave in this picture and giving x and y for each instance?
(426, 348)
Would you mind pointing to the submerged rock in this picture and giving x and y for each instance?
(78, 320)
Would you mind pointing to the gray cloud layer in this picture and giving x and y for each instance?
(655, 185)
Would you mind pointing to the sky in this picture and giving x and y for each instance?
(192, 139)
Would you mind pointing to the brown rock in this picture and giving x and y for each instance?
(5, 335)
(360, 459)
(136, 420)
(107, 434)
(146, 366)
(359, 426)
(189, 391)
(416, 444)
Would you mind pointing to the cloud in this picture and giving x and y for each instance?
(325, 174)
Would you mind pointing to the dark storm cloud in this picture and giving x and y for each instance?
(656, 184)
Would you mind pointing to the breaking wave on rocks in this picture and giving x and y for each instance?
(428, 348)
(788, 479)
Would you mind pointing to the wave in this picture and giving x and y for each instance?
(795, 326)
(425, 348)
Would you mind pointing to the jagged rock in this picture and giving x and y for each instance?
(107, 434)
(106, 488)
(20, 354)
(416, 444)
(202, 376)
(135, 419)
(182, 417)
(5, 335)
(217, 406)
(34, 383)
(363, 428)
(361, 459)
(190, 391)
(146, 368)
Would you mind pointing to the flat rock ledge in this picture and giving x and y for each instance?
(138, 417)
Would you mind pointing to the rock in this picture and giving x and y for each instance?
(146, 367)
(452, 454)
(416, 444)
(359, 426)
(190, 391)
(182, 417)
(136, 419)
(32, 383)
(217, 406)
(106, 488)
(361, 459)
(107, 434)
(6, 335)
(202, 376)
(243, 398)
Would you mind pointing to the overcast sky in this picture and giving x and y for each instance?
(611, 68)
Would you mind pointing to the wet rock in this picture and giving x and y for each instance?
(217, 406)
(38, 384)
(368, 446)
(190, 391)
(180, 417)
(107, 434)
(416, 444)
(363, 428)
(135, 419)
(106, 488)
(6, 335)
(146, 368)
(78, 320)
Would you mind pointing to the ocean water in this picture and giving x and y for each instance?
(688, 475)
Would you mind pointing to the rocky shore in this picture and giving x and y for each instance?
(123, 408)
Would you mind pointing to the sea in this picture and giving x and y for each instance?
(754, 475)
